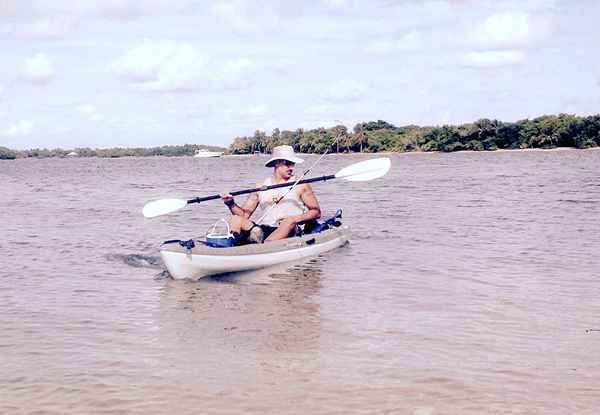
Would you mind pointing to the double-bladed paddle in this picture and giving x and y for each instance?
(357, 172)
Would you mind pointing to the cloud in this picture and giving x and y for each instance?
(49, 28)
(251, 114)
(236, 16)
(507, 29)
(258, 16)
(145, 62)
(90, 111)
(309, 124)
(86, 109)
(408, 42)
(321, 109)
(135, 9)
(346, 90)
(117, 9)
(162, 66)
(20, 128)
(492, 58)
(237, 74)
(37, 69)
(42, 28)
(166, 66)
(335, 4)
(254, 111)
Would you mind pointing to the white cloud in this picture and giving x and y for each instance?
(43, 28)
(90, 111)
(317, 123)
(235, 15)
(408, 42)
(144, 62)
(166, 66)
(335, 3)
(117, 9)
(50, 28)
(504, 29)
(86, 109)
(37, 69)
(492, 58)
(255, 111)
(258, 16)
(346, 90)
(134, 9)
(238, 73)
(161, 66)
(252, 114)
(320, 109)
(20, 128)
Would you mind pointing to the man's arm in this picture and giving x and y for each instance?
(310, 201)
(246, 210)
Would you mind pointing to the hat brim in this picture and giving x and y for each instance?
(272, 161)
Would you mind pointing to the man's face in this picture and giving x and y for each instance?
(285, 168)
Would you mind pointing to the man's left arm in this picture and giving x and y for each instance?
(312, 204)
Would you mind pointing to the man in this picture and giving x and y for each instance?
(282, 209)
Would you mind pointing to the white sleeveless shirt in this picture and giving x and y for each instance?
(290, 205)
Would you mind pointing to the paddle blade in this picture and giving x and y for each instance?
(365, 170)
(162, 207)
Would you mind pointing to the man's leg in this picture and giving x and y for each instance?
(239, 223)
(282, 232)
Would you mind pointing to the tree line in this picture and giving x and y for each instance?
(548, 131)
(169, 151)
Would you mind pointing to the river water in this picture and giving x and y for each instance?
(470, 286)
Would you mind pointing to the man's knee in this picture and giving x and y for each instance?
(236, 223)
(236, 220)
(240, 222)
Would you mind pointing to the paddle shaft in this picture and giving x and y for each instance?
(263, 188)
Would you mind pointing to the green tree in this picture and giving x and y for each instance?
(7, 154)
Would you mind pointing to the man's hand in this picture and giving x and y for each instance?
(227, 198)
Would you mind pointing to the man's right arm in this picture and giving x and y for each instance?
(246, 210)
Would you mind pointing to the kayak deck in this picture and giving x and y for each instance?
(202, 260)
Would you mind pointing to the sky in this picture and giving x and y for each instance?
(108, 73)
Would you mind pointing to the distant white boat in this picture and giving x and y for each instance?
(206, 153)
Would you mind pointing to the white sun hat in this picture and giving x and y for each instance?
(283, 153)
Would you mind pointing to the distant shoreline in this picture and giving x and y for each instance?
(382, 153)
(547, 132)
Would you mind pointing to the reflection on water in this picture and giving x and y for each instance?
(241, 335)
(469, 286)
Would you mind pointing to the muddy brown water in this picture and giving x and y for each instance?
(470, 285)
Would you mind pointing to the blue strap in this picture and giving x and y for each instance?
(189, 244)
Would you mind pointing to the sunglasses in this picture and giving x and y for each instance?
(287, 162)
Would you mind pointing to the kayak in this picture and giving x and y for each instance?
(201, 260)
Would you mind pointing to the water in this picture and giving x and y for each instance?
(468, 287)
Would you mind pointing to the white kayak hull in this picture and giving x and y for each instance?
(202, 261)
